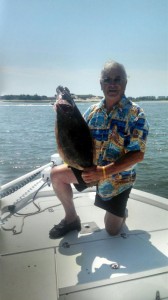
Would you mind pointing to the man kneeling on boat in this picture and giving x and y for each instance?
(119, 130)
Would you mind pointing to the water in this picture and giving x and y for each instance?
(27, 141)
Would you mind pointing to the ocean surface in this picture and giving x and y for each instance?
(27, 141)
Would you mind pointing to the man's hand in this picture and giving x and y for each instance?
(93, 174)
(96, 173)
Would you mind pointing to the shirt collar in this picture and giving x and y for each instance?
(118, 105)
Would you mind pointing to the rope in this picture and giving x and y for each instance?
(38, 211)
(26, 215)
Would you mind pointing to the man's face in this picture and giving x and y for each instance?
(113, 85)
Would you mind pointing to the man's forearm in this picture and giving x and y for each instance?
(125, 162)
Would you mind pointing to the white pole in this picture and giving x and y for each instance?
(11, 183)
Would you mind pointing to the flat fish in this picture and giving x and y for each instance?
(73, 136)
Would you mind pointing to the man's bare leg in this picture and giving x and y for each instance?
(113, 223)
(61, 178)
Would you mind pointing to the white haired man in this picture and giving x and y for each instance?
(119, 130)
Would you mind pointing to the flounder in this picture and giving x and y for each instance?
(73, 136)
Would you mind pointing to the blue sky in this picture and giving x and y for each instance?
(45, 43)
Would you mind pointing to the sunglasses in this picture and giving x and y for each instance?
(108, 80)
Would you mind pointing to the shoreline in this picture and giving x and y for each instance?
(46, 101)
(76, 101)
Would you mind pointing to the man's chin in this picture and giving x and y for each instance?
(113, 96)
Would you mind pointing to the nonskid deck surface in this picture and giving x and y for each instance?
(78, 259)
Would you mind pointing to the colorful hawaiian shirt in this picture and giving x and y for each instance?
(124, 129)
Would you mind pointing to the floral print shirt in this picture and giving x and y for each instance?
(124, 129)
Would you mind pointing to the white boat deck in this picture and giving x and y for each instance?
(86, 265)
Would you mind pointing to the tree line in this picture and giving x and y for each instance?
(36, 97)
(24, 97)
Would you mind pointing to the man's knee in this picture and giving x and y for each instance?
(112, 230)
(113, 223)
(55, 174)
(62, 174)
